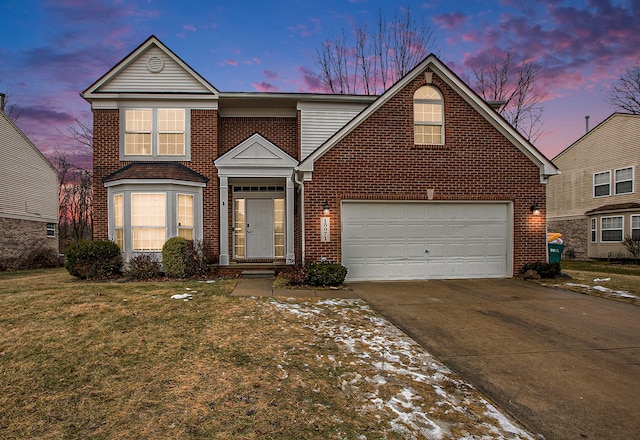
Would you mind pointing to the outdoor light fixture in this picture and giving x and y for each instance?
(535, 208)
(325, 207)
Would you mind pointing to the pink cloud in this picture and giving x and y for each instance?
(450, 21)
(263, 86)
(231, 62)
(189, 27)
(310, 81)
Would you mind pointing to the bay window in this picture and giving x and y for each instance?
(118, 220)
(185, 216)
(635, 227)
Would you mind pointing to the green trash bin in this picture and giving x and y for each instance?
(555, 252)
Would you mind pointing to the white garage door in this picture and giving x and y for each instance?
(406, 241)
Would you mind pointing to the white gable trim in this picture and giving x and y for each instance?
(255, 157)
(93, 91)
(546, 166)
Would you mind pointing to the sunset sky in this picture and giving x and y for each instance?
(50, 50)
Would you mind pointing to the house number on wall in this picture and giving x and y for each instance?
(325, 229)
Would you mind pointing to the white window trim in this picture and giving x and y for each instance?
(602, 229)
(193, 208)
(594, 230)
(426, 123)
(594, 184)
(633, 183)
(53, 235)
(154, 135)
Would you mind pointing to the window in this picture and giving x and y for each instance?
(611, 228)
(278, 228)
(51, 229)
(428, 116)
(155, 133)
(118, 220)
(594, 230)
(635, 227)
(624, 180)
(602, 184)
(185, 216)
(148, 221)
(238, 228)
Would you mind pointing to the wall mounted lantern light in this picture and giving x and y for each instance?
(535, 208)
(325, 207)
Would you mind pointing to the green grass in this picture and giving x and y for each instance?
(601, 267)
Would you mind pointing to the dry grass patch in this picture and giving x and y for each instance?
(125, 360)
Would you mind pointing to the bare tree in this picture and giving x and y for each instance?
(75, 196)
(376, 59)
(11, 110)
(512, 84)
(625, 92)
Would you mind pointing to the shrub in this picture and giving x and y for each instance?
(182, 258)
(296, 275)
(545, 270)
(632, 245)
(326, 274)
(143, 267)
(93, 259)
(41, 259)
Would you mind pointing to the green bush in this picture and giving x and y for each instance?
(143, 267)
(545, 270)
(326, 274)
(93, 260)
(182, 258)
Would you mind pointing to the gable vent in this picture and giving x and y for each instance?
(155, 64)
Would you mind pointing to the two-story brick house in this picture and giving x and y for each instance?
(594, 203)
(424, 181)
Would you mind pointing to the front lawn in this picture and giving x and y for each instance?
(602, 278)
(116, 360)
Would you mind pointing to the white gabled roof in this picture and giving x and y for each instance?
(547, 168)
(151, 68)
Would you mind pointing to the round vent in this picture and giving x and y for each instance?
(155, 64)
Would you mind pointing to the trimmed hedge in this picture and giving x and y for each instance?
(93, 260)
(326, 274)
(545, 270)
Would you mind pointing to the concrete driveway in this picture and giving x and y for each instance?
(565, 365)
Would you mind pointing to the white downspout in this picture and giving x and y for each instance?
(301, 184)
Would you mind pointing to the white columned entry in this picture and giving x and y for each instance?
(289, 198)
(224, 220)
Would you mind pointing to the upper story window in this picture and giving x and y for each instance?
(602, 184)
(155, 133)
(624, 180)
(428, 116)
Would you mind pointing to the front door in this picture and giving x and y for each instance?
(259, 228)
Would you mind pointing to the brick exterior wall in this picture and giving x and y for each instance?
(20, 239)
(379, 161)
(282, 132)
(106, 160)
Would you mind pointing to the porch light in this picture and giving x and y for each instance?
(325, 207)
(535, 208)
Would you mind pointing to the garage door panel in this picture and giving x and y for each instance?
(388, 240)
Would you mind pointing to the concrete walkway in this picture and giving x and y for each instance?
(264, 287)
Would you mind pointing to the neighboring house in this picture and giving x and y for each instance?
(424, 181)
(594, 203)
(28, 198)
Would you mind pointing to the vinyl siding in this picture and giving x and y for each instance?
(612, 145)
(137, 78)
(28, 183)
(319, 121)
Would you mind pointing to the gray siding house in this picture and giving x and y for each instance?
(28, 199)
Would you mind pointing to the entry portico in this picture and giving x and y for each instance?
(259, 176)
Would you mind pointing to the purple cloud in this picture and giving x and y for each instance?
(450, 21)
(310, 81)
(270, 74)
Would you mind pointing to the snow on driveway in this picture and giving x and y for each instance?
(393, 375)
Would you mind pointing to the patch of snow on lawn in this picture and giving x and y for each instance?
(606, 290)
(388, 359)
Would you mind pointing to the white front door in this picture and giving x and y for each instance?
(259, 228)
